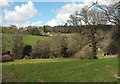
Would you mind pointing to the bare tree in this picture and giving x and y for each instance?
(91, 17)
(74, 20)
(112, 12)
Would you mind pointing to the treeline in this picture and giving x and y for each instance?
(30, 30)
(74, 29)
(35, 30)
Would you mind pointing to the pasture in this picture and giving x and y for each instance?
(61, 70)
(27, 39)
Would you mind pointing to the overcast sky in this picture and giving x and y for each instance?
(38, 13)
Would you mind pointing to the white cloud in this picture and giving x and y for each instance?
(37, 23)
(52, 22)
(107, 2)
(21, 13)
(64, 13)
(24, 24)
(1, 20)
(5, 3)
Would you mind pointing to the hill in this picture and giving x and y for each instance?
(27, 39)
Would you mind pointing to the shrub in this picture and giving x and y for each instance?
(85, 53)
(76, 42)
(6, 58)
(41, 49)
(27, 57)
(54, 47)
(26, 51)
(59, 46)
(17, 45)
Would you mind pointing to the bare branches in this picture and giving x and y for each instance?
(111, 12)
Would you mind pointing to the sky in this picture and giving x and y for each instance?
(38, 13)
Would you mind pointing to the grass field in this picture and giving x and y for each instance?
(61, 70)
(28, 39)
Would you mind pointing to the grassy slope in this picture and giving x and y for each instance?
(70, 70)
(28, 39)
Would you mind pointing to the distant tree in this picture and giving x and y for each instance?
(22, 30)
(9, 29)
(17, 45)
(44, 29)
(33, 30)
(41, 49)
(65, 24)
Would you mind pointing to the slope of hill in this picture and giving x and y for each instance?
(28, 39)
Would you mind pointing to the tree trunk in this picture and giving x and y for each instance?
(118, 42)
(118, 29)
(94, 46)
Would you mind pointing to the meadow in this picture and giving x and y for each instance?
(27, 39)
(61, 70)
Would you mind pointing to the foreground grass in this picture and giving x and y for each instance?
(61, 70)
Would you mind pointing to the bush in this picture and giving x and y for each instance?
(27, 57)
(77, 41)
(6, 58)
(59, 46)
(17, 45)
(26, 51)
(112, 48)
(41, 49)
(85, 53)
(54, 47)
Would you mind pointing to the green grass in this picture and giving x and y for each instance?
(61, 70)
(32, 40)
(28, 39)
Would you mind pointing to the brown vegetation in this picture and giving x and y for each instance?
(7, 58)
